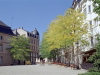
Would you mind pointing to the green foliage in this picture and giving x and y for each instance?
(91, 73)
(95, 58)
(64, 31)
(67, 29)
(44, 50)
(94, 69)
(53, 54)
(96, 4)
(44, 53)
(20, 48)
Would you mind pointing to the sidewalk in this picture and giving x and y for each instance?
(46, 69)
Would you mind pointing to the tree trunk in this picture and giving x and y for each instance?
(73, 59)
(77, 53)
(19, 62)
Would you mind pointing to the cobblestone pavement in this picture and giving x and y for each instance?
(38, 70)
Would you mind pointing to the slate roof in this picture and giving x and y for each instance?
(30, 34)
(5, 29)
(35, 32)
(3, 24)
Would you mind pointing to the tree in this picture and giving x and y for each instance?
(96, 4)
(67, 30)
(44, 50)
(54, 54)
(20, 48)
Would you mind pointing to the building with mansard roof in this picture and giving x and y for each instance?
(34, 41)
(5, 34)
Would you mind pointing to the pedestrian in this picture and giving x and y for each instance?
(41, 59)
(71, 65)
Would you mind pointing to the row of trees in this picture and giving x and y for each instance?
(65, 32)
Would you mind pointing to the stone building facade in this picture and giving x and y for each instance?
(86, 7)
(34, 42)
(5, 34)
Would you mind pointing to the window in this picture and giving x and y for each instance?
(1, 37)
(91, 29)
(90, 22)
(84, 11)
(91, 41)
(34, 47)
(1, 59)
(7, 46)
(89, 8)
(96, 22)
(31, 54)
(1, 48)
(34, 41)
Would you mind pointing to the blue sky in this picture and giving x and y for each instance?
(32, 14)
